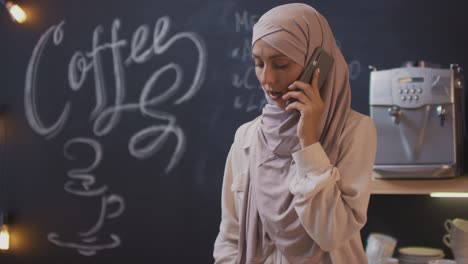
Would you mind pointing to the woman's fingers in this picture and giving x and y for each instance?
(298, 95)
(296, 106)
(307, 95)
(310, 90)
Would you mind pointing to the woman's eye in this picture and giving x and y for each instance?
(281, 66)
(260, 65)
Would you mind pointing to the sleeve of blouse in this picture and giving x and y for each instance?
(332, 202)
(226, 246)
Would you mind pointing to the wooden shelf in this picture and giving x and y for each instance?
(419, 186)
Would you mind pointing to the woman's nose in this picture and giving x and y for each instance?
(267, 76)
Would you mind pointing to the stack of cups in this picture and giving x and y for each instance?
(457, 239)
(380, 248)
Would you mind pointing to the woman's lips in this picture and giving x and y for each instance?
(275, 95)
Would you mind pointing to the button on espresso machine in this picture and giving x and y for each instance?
(419, 116)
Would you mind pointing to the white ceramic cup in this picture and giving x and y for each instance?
(459, 249)
(380, 246)
(458, 223)
(457, 238)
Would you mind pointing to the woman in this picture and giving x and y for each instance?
(297, 178)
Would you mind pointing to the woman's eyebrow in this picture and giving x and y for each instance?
(274, 56)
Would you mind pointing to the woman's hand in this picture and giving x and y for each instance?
(310, 105)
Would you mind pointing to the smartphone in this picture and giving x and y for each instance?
(320, 59)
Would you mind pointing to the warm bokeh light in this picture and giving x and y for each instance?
(16, 12)
(4, 238)
(450, 194)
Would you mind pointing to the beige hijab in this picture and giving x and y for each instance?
(269, 219)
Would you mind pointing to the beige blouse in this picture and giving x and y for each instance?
(333, 201)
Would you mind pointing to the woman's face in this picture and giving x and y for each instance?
(275, 71)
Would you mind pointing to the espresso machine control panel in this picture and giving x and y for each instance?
(415, 87)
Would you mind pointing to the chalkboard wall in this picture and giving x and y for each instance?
(119, 116)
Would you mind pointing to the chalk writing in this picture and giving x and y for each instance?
(354, 66)
(80, 184)
(244, 52)
(30, 92)
(244, 21)
(354, 69)
(106, 116)
(108, 112)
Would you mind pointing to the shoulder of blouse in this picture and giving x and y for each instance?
(358, 126)
(245, 132)
(357, 120)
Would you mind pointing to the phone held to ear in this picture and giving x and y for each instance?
(320, 59)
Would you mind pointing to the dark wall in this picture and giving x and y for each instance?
(120, 115)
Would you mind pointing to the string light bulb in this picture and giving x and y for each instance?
(16, 12)
(4, 238)
(4, 233)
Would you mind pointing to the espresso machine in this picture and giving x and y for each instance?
(419, 116)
